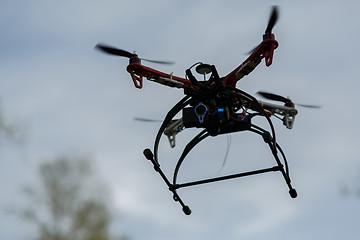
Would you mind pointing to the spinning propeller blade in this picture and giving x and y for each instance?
(146, 120)
(158, 62)
(273, 19)
(272, 96)
(308, 106)
(114, 51)
(275, 97)
(122, 53)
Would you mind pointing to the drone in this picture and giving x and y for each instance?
(216, 106)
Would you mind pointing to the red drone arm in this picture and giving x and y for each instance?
(264, 50)
(138, 71)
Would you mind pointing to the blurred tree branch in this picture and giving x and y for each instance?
(70, 204)
(351, 186)
(8, 130)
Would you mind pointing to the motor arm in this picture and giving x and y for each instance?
(264, 50)
(289, 113)
(138, 71)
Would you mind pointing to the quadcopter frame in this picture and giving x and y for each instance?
(217, 107)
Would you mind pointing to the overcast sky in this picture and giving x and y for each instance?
(71, 99)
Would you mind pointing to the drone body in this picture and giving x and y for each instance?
(217, 107)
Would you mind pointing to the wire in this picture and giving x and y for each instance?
(277, 117)
(228, 145)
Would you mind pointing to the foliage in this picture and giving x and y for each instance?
(69, 204)
(9, 130)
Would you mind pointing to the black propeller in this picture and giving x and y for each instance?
(114, 51)
(273, 19)
(146, 119)
(122, 53)
(275, 97)
(272, 96)
(308, 106)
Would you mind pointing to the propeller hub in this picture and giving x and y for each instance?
(134, 59)
(268, 36)
(289, 104)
